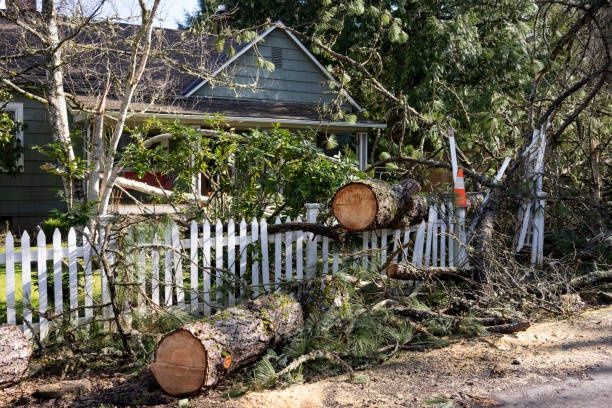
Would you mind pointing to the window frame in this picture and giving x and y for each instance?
(17, 109)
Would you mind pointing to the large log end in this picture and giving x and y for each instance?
(355, 206)
(180, 365)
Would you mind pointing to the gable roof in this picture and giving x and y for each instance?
(164, 87)
(276, 26)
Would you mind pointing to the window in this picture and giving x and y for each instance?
(15, 112)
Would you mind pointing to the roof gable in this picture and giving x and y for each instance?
(312, 71)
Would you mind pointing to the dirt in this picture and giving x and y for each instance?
(552, 364)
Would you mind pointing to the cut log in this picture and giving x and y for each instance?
(407, 271)
(201, 353)
(15, 353)
(370, 204)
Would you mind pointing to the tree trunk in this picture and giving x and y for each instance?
(407, 271)
(200, 354)
(15, 352)
(371, 204)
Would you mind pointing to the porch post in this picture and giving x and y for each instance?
(362, 150)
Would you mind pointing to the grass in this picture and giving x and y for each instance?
(97, 284)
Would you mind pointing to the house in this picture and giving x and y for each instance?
(296, 94)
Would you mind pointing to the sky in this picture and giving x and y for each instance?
(170, 13)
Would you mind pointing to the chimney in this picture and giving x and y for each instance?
(21, 5)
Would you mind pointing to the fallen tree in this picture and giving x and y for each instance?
(201, 353)
(15, 353)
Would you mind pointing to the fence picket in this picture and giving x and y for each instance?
(41, 269)
(155, 270)
(277, 257)
(396, 244)
(206, 267)
(103, 277)
(219, 262)
(231, 262)
(434, 237)
(443, 218)
(57, 272)
(243, 256)
(365, 242)
(288, 253)
(417, 253)
(375, 257)
(178, 266)
(26, 282)
(299, 254)
(383, 246)
(10, 279)
(255, 257)
(141, 276)
(325, 255)
(427, 257)
(72, 275)
(193, 266)
(168, 266)
(88, 278)
(265, 266)
(406, 241)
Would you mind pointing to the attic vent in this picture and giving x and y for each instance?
(277, 57)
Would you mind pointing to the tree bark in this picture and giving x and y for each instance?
(371, 204)
(200, 354)
(15, 352)
(407, 271)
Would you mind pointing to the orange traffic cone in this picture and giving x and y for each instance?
(460, 197)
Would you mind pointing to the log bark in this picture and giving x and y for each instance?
(407, 271)
(15, 353)
(370, 204)
(201, 353)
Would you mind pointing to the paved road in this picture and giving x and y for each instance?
(594, 390)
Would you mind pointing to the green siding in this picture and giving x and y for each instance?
(299, 80)
(27, 198)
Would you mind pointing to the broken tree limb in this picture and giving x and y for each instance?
(317, 229)
(15, 353)
(509, 328)
(407, 271)
(201, 353)
(145, 188)
(492, 324)
(591, 279)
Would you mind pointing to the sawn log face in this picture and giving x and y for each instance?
(201, 353)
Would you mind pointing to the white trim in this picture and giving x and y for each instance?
(17, 108)
(276, 25)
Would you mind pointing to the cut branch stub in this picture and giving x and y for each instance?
(370, 204)
(201, 353)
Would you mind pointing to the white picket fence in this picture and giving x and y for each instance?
(215, 266)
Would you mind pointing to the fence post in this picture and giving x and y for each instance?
(312, 210)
